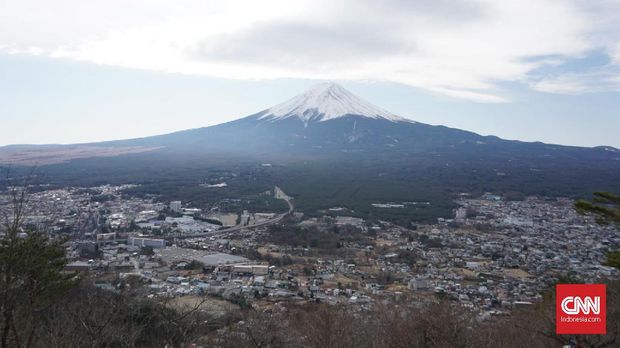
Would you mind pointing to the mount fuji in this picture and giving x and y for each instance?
(329, 121)
(326, 120)
(328, 145)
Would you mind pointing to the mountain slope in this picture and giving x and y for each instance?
(325, 121)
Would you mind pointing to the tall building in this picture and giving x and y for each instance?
(175, 206)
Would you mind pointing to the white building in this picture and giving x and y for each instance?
(192, 211)
(175, 206)
(143, 242)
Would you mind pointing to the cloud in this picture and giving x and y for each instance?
(599, 80)
(461, 49)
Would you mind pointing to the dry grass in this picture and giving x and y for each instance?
(52, 154)
(516, 273)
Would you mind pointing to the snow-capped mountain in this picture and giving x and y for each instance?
(325, 102)
(328, 121)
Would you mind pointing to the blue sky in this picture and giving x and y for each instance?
(534, 71)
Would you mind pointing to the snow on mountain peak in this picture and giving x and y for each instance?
(324, 102)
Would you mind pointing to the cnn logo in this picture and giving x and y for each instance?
(575, 305)
(580, 309)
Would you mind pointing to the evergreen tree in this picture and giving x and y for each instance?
(31, 274)
(606, 207)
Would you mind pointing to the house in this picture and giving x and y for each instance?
(419, 284)
(78, 266)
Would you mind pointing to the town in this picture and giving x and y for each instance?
(492, 256)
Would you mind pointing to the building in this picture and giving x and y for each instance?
(175, 206)
(349, 220)
(106, 237)
(144, 242)
(259, 270)
(460, 213)
(187, 224)
(219, 259)
(191, 211)
(146, 215)
(419, 284)
(78, 266)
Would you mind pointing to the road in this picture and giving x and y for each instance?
(278, 193)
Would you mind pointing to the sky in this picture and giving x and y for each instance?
(83, 71)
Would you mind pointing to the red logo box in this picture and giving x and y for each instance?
(580, 309)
